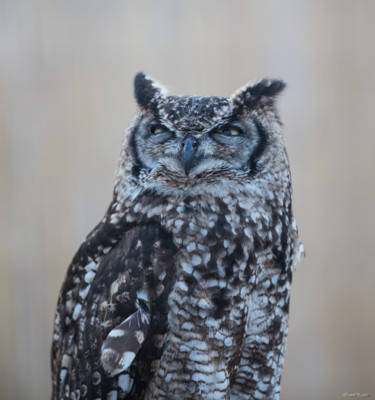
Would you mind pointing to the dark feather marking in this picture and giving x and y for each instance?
(249, 266)
(279, 258)
(137, 163)
(230, 260)
(280, 255)
(211, 238)
(220, 299)
(259, 149)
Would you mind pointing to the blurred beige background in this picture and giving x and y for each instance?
(66, 72)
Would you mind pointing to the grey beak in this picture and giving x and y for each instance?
(189, 146)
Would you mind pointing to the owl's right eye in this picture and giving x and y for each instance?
(229, 131)
(158, 129)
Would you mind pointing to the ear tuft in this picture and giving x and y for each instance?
(148, 93)
(263, 92)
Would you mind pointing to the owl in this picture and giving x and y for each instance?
(182, 289)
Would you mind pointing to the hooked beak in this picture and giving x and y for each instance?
(189, 146)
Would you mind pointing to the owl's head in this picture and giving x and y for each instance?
(189, 144)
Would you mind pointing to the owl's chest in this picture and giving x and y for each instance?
(214, 263)
(217, 243)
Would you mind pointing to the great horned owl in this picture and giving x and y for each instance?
(182, 290)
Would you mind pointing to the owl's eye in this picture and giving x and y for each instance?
(229, 131)
(157, 129)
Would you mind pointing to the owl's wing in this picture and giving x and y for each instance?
(111, 308)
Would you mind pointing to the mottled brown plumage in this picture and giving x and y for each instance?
(182, 290)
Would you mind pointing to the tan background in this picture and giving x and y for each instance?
(66, 71)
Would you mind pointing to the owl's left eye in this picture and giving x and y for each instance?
(157, 129)
(229, 131)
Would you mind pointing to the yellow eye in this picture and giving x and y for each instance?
(156, 129)
(229, 131)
